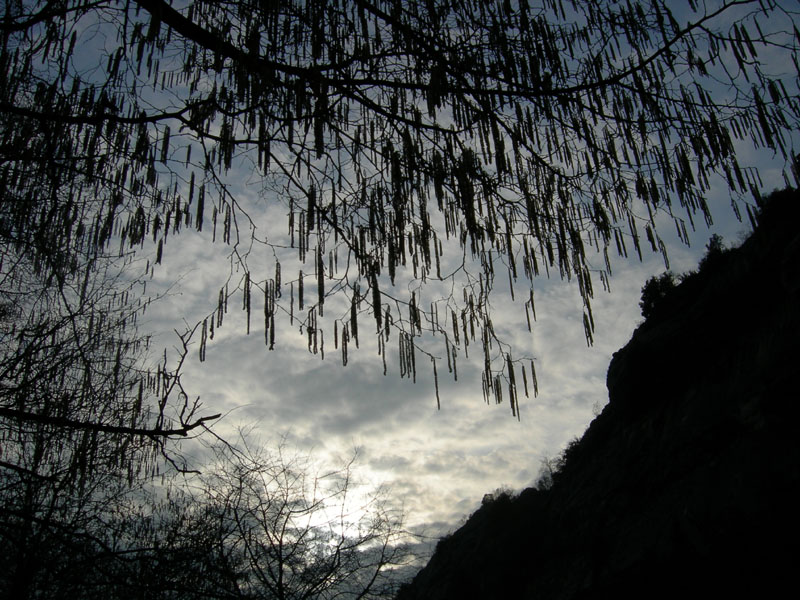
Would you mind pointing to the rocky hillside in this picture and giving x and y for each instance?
(687, 484)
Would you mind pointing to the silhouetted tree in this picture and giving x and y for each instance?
(269, 525)
(715, 248)
(83, 421)
(654, 290)
(409, 142)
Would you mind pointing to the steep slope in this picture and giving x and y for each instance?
(687, 484)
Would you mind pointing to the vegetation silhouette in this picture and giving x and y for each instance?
(256, 523)
(522, 140)
(658, 287)
(654, 291)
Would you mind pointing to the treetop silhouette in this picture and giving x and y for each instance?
(409, 147)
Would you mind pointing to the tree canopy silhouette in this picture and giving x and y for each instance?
(406, 153)
(84, 423)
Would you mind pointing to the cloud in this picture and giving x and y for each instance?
(437, 463)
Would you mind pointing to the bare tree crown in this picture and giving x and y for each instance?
(400, 148)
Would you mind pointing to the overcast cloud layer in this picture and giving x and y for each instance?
(438, 464)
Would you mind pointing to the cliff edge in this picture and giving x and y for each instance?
(686, 485)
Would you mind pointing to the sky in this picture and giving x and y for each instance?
(436, 464)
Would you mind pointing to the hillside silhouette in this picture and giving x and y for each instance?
(686, 485)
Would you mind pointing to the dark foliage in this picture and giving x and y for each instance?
(715, 248)
(654, 291)
(393, 144)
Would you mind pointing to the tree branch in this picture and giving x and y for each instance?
(158, 432)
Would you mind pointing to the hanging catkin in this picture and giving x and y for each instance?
(436, 384)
